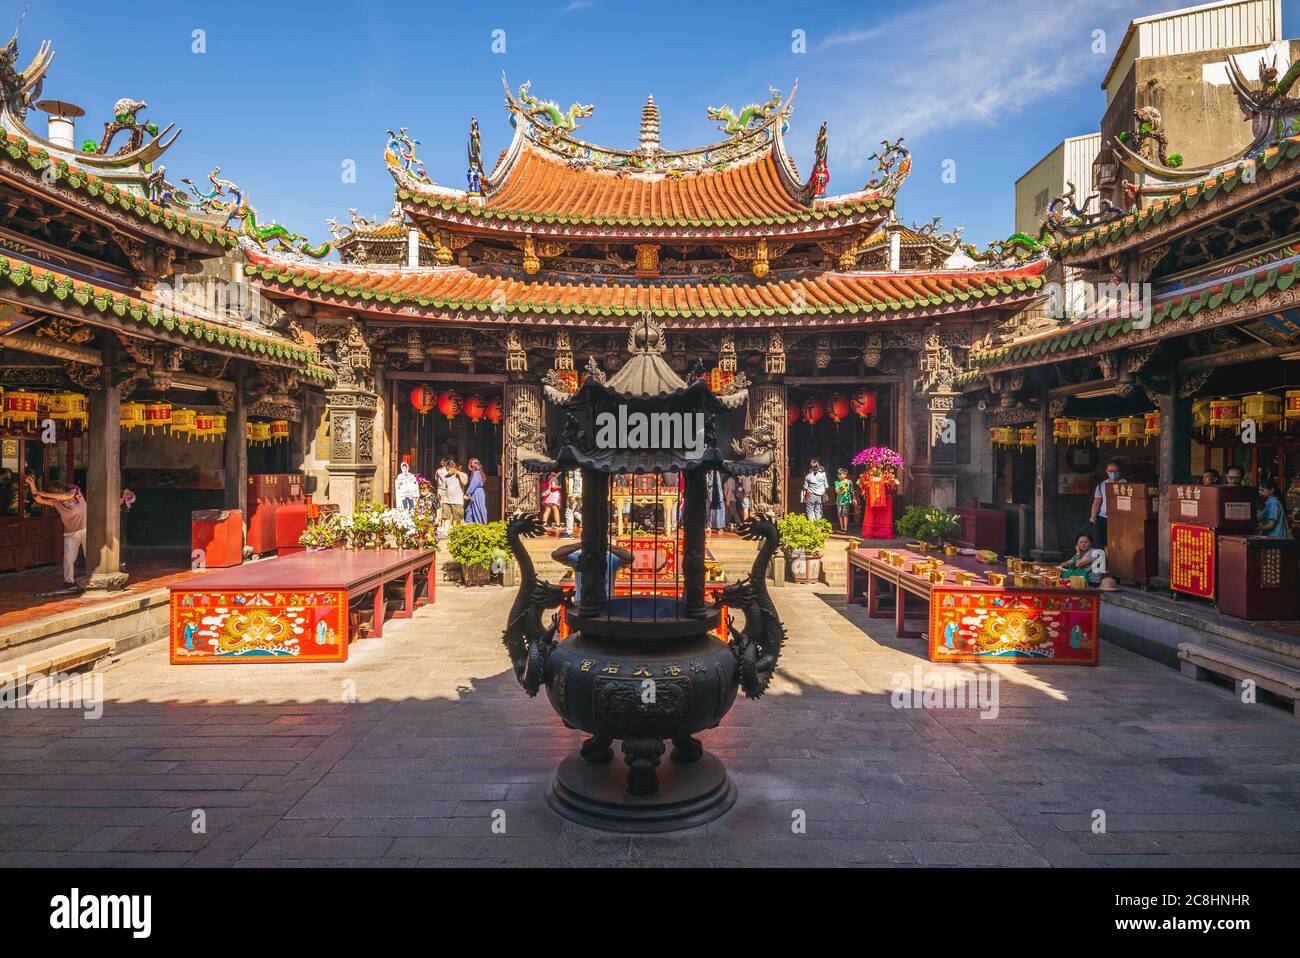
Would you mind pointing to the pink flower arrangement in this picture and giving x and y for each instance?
(880, 458)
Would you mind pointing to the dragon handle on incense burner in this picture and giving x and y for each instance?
(757, 646)
(527, 640)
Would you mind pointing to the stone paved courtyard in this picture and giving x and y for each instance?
(440, 736)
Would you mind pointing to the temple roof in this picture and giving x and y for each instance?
(157, 311)
(488, 295)
(550, 182)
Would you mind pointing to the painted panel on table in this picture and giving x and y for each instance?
(259, 627)
(1055, 626)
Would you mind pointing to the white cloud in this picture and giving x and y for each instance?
(956, 64)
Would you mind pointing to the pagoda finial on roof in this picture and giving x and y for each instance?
(650, 125)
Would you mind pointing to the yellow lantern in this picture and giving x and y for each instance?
(133, 415)
(1264, 408)
(23, 411)
(219, 424)
(1060, 429)
(158, 415)
(1028, 436)
(205, 426)
(1292, 405)
(1152, 424)
(70, 411)
(1132, 429)
(1082, 430)
(183, 422)
(1003, 436)
(1107, 431)
(1201, 414)
(259, 433)
(280, 430)
(1225, 413)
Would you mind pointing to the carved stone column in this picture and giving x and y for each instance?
(525, 427)
(352, 447)
(767, 405)
(1046, 481)
(235, 407)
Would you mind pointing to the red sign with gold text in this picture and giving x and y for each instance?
(1191, 560)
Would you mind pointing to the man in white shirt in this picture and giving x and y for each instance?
(1098, 517)
(814, 488)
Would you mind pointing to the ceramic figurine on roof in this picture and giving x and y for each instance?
(124, 121)
(399, 154)
(228, 202)
(548, 113)
(1270, 105)
(1065, 218)
(474, 174)
(821, 174)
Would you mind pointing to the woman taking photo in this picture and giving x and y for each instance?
(475, 494)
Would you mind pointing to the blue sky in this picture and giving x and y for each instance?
(287, 92)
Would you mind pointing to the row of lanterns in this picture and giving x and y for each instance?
(21, 411)
(836, 408)
(190, 423)
(265, 433)
(1266, 409)
(1127, 429)
(451, 404)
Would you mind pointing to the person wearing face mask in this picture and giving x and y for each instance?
(1098, 518)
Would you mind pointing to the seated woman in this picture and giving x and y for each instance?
(1087, 562)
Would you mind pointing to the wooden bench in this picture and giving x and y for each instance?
(1202, 661)
(292, 608)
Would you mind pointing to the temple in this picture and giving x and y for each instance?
(533, 272)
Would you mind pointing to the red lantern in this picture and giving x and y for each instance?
(792, 415)
(864, 403)
(475, 408)
(837, 408)
(450, 404)
(423, 398)
(494, 410)
(813, 408)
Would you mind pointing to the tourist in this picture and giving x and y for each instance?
(615, 558)
(717, 502)
(572, 500)
(551, 501)
(476, 494)
(1210, 477)
(1098, 517)
(1236, 476)
(744, 497)
(814, 488)
(1088, 562)
(70, 504)
(1272, 520)
(843, 499)
(452, 482)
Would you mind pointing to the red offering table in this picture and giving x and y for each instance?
(290, 609)
(973, 620)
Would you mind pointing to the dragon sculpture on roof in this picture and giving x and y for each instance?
(548, 112)
(750, 117)
(1269, 105)
(20, 89)
(1065, 218)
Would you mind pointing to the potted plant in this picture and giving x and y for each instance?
(928, 524)
(478, 547)
(803, 540)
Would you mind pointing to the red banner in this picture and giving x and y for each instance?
(1191, 560)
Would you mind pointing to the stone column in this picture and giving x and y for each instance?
(525, 428)
(942, 447)
(1175, 453)
(352, 446)
(1046, 484)
(104, 488)
(236, 453)
(694, 520)
(767, 405)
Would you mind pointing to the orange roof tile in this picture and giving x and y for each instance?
(484, 295)
(543, 188)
